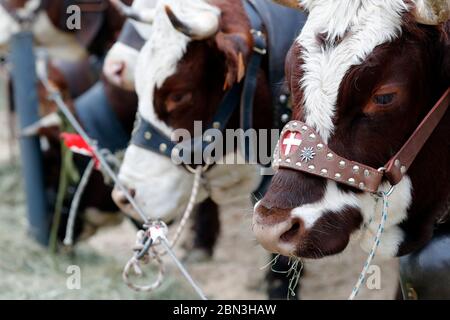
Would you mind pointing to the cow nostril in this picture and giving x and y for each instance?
(122, 198)
(292, 232)
(118, 68)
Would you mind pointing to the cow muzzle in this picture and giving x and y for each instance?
(277, 231)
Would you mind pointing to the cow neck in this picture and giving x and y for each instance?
(305, 151)
(148, 137)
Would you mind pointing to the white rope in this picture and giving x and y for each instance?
(135, 264)
(189, 208)
(376, 243)
(68, 239)
(157, 236)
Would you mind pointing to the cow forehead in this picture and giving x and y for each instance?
(161, 54)
(360, 26)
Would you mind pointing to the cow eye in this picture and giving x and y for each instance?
(177, 99)
(384, 99)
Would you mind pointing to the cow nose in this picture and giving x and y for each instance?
(114, 71)
(276, 230)
(120, 198)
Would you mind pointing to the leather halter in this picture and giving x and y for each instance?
(313, 156)
(148, 137)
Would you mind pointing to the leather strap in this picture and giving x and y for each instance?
(301, 148)
(401, 162)
(251, 81)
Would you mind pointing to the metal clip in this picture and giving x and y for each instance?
(259, 34)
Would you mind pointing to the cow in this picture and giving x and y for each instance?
(71, 50)
(363, 76)
(196, 52)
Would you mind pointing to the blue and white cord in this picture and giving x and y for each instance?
(376, 243)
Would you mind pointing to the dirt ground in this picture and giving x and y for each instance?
(28, 271)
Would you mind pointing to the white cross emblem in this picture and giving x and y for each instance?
(290, 142)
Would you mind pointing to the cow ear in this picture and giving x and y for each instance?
(235, 47)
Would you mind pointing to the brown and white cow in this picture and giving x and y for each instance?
(120, 62)
(181, 77)
(363, 75)
(171, 79)
(68, 49)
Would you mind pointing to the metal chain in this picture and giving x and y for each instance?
(149, 226)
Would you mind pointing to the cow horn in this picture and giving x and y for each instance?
(205, 25)
(145, 16)
(432, 12)
(295, 4)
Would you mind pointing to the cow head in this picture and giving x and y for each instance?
(363, 74)
(196, 51)
(120, 62)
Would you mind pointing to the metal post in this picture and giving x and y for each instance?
(26, 102)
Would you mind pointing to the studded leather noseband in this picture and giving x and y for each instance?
(302, 149)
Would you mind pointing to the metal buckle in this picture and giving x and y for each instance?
(259, 34)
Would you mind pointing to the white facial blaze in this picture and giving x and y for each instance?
(162, 188)
(360, 25)
(334, 200)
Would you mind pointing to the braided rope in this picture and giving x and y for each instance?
(190, 207)
(376, 243)
(135, 264)
(151, 237)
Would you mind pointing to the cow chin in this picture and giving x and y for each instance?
(160, 188)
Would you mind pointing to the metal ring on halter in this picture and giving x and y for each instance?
(380, 193)
(193, 170)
